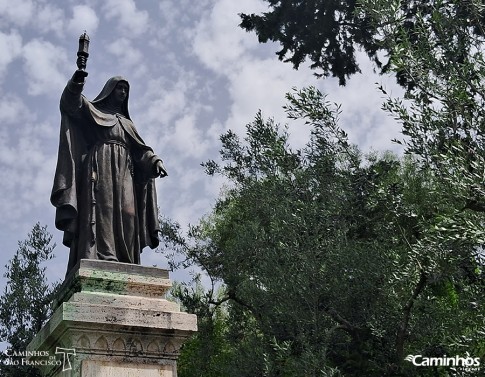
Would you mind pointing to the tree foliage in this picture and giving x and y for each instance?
(442, 114)
(345, 263)
(325, 32)
(223, 336)
(25, 302)
(328, 33)
(336, 260)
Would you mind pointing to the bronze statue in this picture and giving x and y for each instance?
(104, 187)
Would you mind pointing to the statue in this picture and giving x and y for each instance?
(104, 186)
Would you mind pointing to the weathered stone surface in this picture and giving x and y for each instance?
(108, 369)
(114, 278)
(114, 315)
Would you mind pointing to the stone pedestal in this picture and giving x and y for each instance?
(112, 320)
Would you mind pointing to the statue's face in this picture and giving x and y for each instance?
(120, 92)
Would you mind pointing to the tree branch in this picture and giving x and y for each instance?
(403, 327)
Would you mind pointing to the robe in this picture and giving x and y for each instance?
(104, 190)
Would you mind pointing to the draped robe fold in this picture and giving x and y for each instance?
(104, 190)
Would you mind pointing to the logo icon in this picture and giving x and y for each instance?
(65, 352)
(410, 358)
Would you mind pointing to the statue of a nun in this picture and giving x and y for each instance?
(104, 187)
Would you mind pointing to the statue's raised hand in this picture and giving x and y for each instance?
(79, 76)
(82, 61)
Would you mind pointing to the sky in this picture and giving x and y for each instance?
(193, 75)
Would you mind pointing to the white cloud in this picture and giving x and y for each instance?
(129, 20)
(164, 104)
(18, 12)
(163, 101)
(43, 65)
(49, 18)
(13, 111)
(125, 52)
(43, 18)
(262, 85)
(12, 47)
(27, 167)
(257, 80)
(219, 43)
(181, 18)
(187, 138)
(169, 15)
(362, 117)
(83, 18)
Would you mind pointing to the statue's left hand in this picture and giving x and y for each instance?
(161, 172)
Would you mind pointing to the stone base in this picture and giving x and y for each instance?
(111, 319)
(110, 369)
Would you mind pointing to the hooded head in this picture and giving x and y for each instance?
(104, 100)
